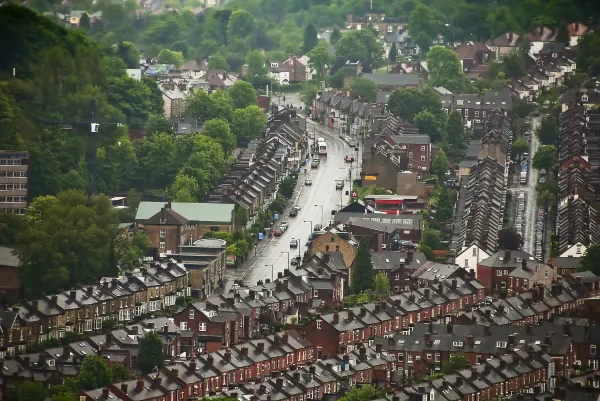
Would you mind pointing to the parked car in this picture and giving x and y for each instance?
(349, 159)
(308, 181)
(277, 232)
(339, 184)
(283, 225)
(294, 243)
(293, 212)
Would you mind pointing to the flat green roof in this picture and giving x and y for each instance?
(195, 212)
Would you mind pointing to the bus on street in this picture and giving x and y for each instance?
(322, 146)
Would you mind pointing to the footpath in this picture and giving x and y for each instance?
(237, 273)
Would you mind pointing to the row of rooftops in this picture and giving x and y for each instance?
(340, 100)
(109, 289)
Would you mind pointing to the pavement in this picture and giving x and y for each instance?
(316, 202)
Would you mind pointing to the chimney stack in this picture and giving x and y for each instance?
(210, 360)
(350, 315)
(426, 292)
(245, 351)
(139, 385)
(285, 337)
(470, 341)
(227, 356)
(449, 328)
(260, 347)
(124, 388)
(454, 283)
(336, 318)
(409, 257)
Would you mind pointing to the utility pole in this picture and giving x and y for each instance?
(93, 143)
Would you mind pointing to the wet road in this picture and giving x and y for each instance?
(273, 258)
(530, 194)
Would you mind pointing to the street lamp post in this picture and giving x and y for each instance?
(321, 206)
(272, 271)
(311, 225)
(288, 255)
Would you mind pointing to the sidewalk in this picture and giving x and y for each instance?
(232, 274)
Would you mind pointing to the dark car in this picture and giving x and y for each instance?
(293, 212)
(294, 243)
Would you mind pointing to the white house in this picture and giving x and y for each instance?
(280, 73)
(470, 257)
(135, 73)
(575, 251)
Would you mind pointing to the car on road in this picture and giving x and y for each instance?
(294, 243)
(283, 225)
(339, 184)
(308, 181)
(294, 212)
(277, 232)
(352, 143)
(349, 159)
(314, 164)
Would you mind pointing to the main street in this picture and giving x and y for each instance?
(530, 194)
(316, 203)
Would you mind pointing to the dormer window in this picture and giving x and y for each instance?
(554, 55)
(163, 221)
(584, 98)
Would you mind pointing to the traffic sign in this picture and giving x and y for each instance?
(260, 236)
(276, 216)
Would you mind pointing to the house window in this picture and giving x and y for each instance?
(191, 314)
(337, 248)
(410, 155)
(202, 327)
(316, 293)
(437, 356)
(466, 262)
(474, 251)
(163, 233)
(422, 148)
(319, 324)
(422, 158)
(476, 113)
(592, 350)
(499, 272)
(162, 245)
(326, 247)
(397, 276)
(390, 29)
(578, 249)
(183, 325)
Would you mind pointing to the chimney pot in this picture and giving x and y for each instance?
(139, 385)
(124, 388)
(336, 318)
(260, 347)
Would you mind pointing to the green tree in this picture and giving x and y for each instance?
(130, 253)
(364, 88)
(508, 238)
(588, 54)
(84, 21)
(319, 58)
(249, 122)
(219, 130)
(455, 363)
(29, 391)
(257, 73)
(360, 46)
(134, 99)
(198, 105)
(404, 103)
(310, 38)
(545, 157)
(520, 146)
(204, 160)
(129, 53)
(157, 161)
(65, 396)
(444, 205)
(57, 226)
(431, 238)
(445, 69)
(393, 53)
(335, 36)
(151, 353)
(455, 129)
(217, 62)
(167, 56)
(591, 260)
(500, 21)
(547, 132)
(156, 123)
(439, 165)
(424, 25)
(184, 189)
(363, 277)
(241, 24)
(94, 373)
(221, 105)
(308, 93)
(241, 216)
(382, 285)
(364, 393)
(242, 94)
(513, 65)
(336, 80)
(429, 125)
(116, 165)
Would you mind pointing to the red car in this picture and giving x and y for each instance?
(277, 232)
(349, 159)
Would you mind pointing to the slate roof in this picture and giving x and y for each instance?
(196, 212)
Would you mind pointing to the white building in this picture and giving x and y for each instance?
(470, 257)
(135, 73)
(574, 251)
